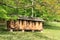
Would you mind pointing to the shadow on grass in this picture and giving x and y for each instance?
(42, 36)
(51, 27)
(3, 30)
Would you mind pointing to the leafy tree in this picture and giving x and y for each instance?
(46, 9)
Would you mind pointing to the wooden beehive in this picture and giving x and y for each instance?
(25, 23)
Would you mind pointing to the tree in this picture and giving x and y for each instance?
(46, 9)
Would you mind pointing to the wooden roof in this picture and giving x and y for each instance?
(31, 18)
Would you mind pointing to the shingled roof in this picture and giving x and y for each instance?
(31, 18)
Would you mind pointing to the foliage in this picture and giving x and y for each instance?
(46, 9)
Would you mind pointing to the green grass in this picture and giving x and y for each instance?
(50, 32)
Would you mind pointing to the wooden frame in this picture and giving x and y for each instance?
(22, 24)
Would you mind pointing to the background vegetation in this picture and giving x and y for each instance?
(46, 9)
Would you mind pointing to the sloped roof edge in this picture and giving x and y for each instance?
(31, 18)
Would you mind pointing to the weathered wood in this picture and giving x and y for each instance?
(11, 24)
(21, 27)
(22, 30)
(41, 26)
(32, 30)
(11, 30)
(36, 26)
(16, 25)
(30, 26)
(21, 24)
(27, 25)
(33, 27)
(24, 24)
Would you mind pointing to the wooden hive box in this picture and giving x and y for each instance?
(25, 23)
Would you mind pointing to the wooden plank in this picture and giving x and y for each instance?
(36, 26)
(24, 24)
(41, 26)
(16, 25)
(27, 25)
(11, 24)
(33, 26)
(30, 26)
(21, 27)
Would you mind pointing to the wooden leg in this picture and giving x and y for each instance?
(41, 31)
(32, 30)
(22, 30)
(11, 30)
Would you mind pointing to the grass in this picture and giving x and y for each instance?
(50, 32)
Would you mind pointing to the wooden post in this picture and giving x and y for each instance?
(22, 30)
(24, 25)
(11, 24)
(32, 30)
(32, 26)
(27, 25)
(36, 26)
(17, 25)
(41, 26)
(11, 30)
(20, 24)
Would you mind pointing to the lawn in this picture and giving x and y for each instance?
(50, 32)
